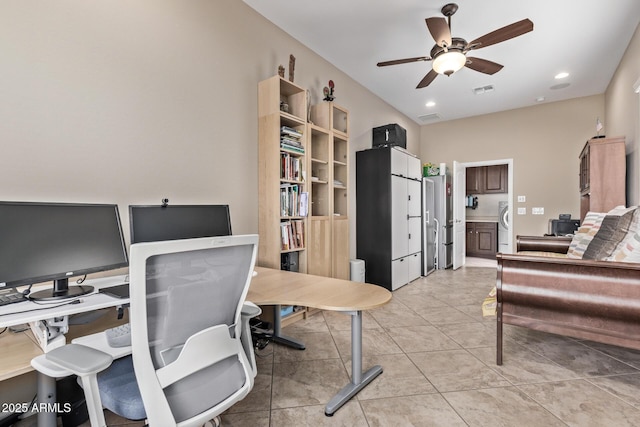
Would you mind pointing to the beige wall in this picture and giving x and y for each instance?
(130, 102)
(544, 142)
(622, 107)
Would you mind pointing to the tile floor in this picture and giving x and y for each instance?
(439, 368)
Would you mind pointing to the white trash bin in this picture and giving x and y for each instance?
(357, 270)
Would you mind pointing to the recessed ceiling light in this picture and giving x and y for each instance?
(562, 75)
(430, 104)
(540, 99)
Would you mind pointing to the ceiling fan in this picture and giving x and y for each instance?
(449, 54)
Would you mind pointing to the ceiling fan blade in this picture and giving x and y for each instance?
(505, 33)
(483, 65)
(403, 61)
(440, 31)
(426, 81)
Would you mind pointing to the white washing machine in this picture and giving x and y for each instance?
(503, 226)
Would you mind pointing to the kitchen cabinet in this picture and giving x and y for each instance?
(487, 179)
(482, 239)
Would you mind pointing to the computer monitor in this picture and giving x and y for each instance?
(174, 222)
(55, 241)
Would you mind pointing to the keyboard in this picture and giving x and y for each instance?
(120, 336)
(10, 296)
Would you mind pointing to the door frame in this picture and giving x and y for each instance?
(459, 198)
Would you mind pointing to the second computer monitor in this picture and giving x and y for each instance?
(174, 222)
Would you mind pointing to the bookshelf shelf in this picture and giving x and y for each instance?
(282, 166)
(299, 160)
(328, 234)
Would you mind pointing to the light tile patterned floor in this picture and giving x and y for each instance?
(439, 368)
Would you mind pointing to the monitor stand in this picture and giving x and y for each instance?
(60, 291)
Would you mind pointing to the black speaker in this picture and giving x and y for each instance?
(289, 261)
(389, 135)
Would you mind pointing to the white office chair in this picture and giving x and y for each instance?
(189, 361)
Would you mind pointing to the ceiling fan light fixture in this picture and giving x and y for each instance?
(449, 62)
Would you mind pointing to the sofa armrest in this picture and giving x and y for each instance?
(584, 299)
(602, 288)
(557, 244)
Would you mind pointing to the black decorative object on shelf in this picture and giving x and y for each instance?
(328, 92)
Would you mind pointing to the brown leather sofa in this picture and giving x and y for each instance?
(585, 299)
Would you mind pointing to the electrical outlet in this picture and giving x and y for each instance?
(537, 211)
(522, 199)
(522, 211)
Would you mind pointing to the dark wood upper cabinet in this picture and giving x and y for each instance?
(487, 179)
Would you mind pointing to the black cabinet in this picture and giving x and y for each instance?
(388, 216)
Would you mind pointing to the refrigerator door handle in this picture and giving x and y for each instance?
(437, 239)
(427, 215)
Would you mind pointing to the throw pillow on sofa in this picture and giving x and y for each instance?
(628, 250)
(613, 230)
(588, 229)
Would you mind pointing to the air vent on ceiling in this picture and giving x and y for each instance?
(483, 89)
(429, 117)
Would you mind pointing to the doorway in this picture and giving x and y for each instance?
(459, 208)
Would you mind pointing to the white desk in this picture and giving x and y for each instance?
(29, 311)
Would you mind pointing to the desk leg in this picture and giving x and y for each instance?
(46, 396)
(359, 379)
(277, 332)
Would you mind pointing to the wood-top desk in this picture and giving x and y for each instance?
(269, 287)
(275, 287)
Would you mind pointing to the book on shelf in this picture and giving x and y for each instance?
(291, 141)
(304, 203)
(287, 146)
(290, 167)
(286, 130)
(292, 234)
(293, 201)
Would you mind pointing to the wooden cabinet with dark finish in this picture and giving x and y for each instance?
(602, 175)
(495, 179)
(474, 180)
(482, 239)
(487, 179)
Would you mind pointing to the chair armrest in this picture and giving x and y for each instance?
(249, 311)
(80, 359)
(83, 361)
(557, 244)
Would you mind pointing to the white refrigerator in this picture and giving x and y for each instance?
(437, 225)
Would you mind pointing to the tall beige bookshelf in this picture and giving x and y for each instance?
(322, 173)
(281, 104)
(328, 231)
(281, 168)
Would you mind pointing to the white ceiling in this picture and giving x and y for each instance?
(585, 38)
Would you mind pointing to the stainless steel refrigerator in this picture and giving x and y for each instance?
(437, 224)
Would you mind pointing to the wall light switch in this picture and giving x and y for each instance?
(522, 211)
(522, 199)
(537, 211)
